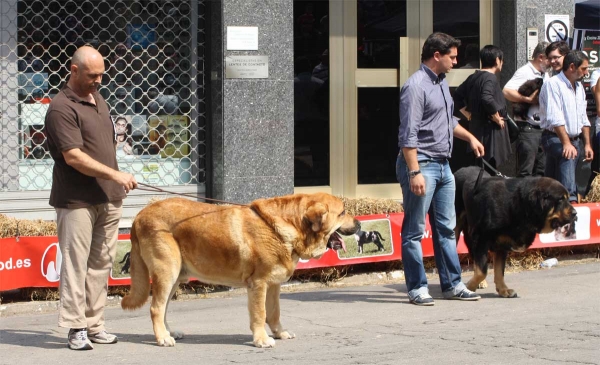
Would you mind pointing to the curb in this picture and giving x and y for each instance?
(48, 307)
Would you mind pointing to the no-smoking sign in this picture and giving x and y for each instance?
(557, 28)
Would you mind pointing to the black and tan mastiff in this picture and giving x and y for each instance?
(500, 215)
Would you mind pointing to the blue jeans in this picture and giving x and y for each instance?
(558, 167)
(439, 203)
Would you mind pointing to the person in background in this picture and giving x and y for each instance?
(595, 88)
(530, 155)
(87, 192)
(482, 98)
(596, 93)
(564, 119)
(471, 56)
(425, 138)
(123, 131)
(555, 52)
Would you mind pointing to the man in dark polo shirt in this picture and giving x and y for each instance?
(87, 193)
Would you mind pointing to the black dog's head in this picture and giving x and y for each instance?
(528, 88)
(551, 200)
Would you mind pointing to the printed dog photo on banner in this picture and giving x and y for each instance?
(120, 269)
(374, 238)
(578, 230)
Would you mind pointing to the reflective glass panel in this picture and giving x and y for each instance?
(460, 19)
(311, 93)
(380, 24)
(377, 135)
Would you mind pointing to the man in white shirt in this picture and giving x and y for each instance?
(565, 122)
(530, 155)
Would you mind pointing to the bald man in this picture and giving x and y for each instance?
(87, 192)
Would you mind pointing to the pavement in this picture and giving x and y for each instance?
(359, 320)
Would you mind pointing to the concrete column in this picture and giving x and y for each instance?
(252, 120)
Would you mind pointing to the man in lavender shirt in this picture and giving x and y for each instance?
(425, 136)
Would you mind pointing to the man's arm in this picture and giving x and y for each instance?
(514, 96)
(589, 151)
(83, 163)
(585, 122)
(411, 115)
(410, 155)
(510, 89)
(416, 183)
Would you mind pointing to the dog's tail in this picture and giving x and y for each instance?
(125, 258)
(140, 283)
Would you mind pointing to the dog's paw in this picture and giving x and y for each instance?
(482, 285)
(166, 342)
(177, 335)
(267, 342)
(284, 335)
(472, 285)
(507, 293)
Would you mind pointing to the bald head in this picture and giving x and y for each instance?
(85, 55)
(87, 68)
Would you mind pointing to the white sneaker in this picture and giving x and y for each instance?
(78, 339)
(103, 337)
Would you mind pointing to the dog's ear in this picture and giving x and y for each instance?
(316, 214)
(540, 201)
(278, 213)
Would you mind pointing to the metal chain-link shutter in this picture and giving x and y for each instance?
(154, 83)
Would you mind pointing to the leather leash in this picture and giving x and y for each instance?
(155, 189)
(484, 163)
(496, 172)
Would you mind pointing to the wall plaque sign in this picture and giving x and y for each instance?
(246, 67)
(242, 38)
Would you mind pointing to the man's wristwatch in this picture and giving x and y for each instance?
(414, 173)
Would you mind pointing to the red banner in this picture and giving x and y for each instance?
(29, 262)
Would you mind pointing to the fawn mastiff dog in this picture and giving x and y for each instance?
(256, 246)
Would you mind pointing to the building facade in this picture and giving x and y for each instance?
(324, 117)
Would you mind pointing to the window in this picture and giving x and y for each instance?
(311, 93)
(460, 19)
(154, 82)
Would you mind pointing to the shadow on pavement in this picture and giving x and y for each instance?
(41, 339)
(52, 340)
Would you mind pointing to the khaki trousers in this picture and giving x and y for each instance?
(87, 238)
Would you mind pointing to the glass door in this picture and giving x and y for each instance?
(374, 46)
(387, 37)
